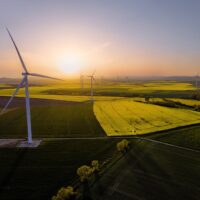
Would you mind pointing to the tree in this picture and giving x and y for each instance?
(95, 165)
(65, 193)
(147, 99)
(123, 145)
(84, 172)
(197, 108)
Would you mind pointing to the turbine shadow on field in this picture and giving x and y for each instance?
(5, 183)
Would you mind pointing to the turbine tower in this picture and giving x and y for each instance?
(24, 82)
(91, 85)
(82, 81)
(197, 77)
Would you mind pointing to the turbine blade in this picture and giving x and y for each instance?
(14, 93)
(43, 76)
(16, 48)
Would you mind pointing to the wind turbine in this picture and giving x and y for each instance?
(91, 85)
(82, 81)
(197, 77)
(24, 82)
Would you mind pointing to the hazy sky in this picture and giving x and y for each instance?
(115, 37)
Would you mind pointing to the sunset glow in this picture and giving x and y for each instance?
(135, 38)
(70, 65)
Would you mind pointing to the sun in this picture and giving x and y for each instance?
(70, 65)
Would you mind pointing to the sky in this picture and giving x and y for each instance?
(114, 37)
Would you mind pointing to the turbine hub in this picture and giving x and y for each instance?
(24, 74)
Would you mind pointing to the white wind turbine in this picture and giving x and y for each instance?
(82, 81)
(24, 82)
(91, 85)
(197, 77)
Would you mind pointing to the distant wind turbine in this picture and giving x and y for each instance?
(82, 81)
(91, 85)
(24, 82)
(197, 77)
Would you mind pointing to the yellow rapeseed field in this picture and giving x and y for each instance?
(127, 117)
(188, 102)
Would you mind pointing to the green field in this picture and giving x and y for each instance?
(151, 171)
(188, 137)
(37, 174)
(74, 133)
(127, 117)
(71, 120)
(148, 170)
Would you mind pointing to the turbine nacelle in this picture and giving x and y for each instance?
(25, 73)
(91, 85)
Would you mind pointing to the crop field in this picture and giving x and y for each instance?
(151, 171)
(37, 93)
(75, 130)
(187, 102)
(188, 137)
(37, 174)
(52, 121)
(5, 86)
(64, 91)
(126, 117)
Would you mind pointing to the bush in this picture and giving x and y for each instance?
(123, 145)
(197, 108)
(195, 96)
(84, 172)
(95, 165)
(65, 194)
(170, 104)
(147, 99)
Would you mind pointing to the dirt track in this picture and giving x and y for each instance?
(20, 102)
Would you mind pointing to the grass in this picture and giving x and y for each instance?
(188, 137)
(126, 117)
(37, 174)
(151, 171)
(147, 170)
(71, 120)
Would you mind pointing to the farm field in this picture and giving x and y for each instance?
(53, 164)
(188, 137)
(151, 171)
(74, 98)
(158, 88)
(127, 117)
(73, 134)
(116, 117)
(52, 120)
(187, 102)
(39, 173)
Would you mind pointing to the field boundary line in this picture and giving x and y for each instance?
(107, 137)
(168, 144)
